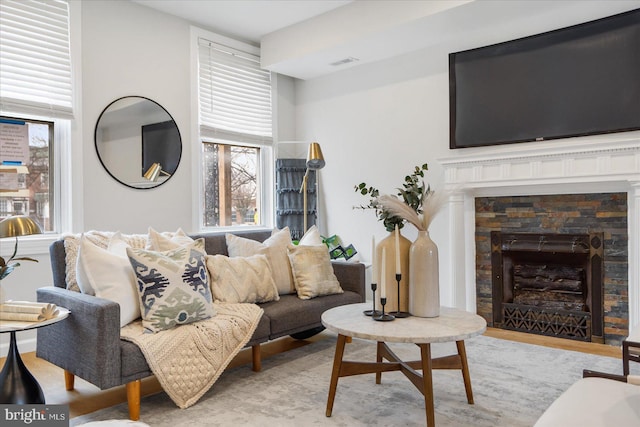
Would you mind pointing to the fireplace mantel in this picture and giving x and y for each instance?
(609, 163)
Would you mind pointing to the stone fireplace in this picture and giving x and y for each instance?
(545, 188)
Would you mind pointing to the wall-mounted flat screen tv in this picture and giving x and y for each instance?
(575, 81)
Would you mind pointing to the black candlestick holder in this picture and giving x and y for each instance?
(373, 312)
(383, 317)
(399, 313)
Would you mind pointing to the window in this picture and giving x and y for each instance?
(236, 135)
(35, 106)
(25, 188)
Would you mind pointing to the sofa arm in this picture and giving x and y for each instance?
(351, 276)
(87, 343)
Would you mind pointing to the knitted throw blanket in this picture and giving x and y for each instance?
(188, 359)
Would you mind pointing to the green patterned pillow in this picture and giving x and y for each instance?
(173, 285)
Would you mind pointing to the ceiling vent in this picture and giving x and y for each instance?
(347, 60)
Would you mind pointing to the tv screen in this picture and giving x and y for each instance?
(161, 144)
(579, 80)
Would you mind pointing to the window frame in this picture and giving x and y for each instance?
(266, 166)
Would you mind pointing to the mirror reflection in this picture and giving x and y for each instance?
(138, 142)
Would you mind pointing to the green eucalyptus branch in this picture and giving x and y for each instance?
(411, 192)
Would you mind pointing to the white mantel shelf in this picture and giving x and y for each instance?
(605, 163)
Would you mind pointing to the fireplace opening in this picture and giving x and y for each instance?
(548, 284)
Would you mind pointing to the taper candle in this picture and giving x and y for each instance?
(374, 270)
(383, 279)
(397, 250)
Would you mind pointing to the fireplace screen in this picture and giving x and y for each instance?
(549, 284)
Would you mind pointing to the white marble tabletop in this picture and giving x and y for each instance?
(452, 325)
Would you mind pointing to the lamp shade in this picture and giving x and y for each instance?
(315, 159)
(18, 225)
(153, 172)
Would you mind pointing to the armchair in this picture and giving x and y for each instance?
(631, 350)
(596, 400)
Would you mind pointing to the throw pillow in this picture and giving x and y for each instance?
(275, 248)
(312, 271)
(238, 280)
(166, 241)
(311, 237)
(107, 273)
(173, 285)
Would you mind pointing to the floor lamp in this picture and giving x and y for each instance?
(315, 161)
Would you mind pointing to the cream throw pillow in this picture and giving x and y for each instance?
(311, 237)
(107, 273)
(166, 241)
(238, 280)
(173, 285)
(275, 248)
(312, 271)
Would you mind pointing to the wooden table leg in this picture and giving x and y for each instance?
(427, 381)
(335, 374)
(379, 360)
(465, 371)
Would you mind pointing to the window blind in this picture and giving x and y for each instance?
(35, 59)
(235, 95)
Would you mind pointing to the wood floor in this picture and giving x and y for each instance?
(87, 398)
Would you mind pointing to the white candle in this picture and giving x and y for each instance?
(383, 279)
(374, 270)
(397, 250)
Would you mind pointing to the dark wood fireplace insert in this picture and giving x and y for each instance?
(549, 284)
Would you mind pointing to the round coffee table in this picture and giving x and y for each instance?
(452, 325)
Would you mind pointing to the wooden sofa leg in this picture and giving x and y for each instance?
(133, 399)
(69, 380)
(257, 361)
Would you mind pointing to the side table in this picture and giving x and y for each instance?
(17, 384)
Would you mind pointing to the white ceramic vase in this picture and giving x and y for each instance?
(424, 278)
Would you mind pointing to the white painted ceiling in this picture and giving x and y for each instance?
(303, 38)
(247, 20)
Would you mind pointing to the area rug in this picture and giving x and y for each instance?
(513, 383)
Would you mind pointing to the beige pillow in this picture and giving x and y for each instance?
(311, 237)
(238, 280)
(166, 241)
(275, 248)
(107, 273)
(312, 271)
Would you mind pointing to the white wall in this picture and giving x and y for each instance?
(375, 123)
(128, 49)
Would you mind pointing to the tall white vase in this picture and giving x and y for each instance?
(424, 277)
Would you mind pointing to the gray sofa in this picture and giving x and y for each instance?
(88, 344)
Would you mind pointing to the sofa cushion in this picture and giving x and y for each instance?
(292, 314)
(240, 279)
(166, 241)
(173, 285)
(312, 271)
(107, 273)
(275, 248)
(311, 237)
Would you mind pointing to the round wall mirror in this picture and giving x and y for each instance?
(138, 142)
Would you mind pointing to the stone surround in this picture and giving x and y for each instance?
(598, 164)
(564, 214)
